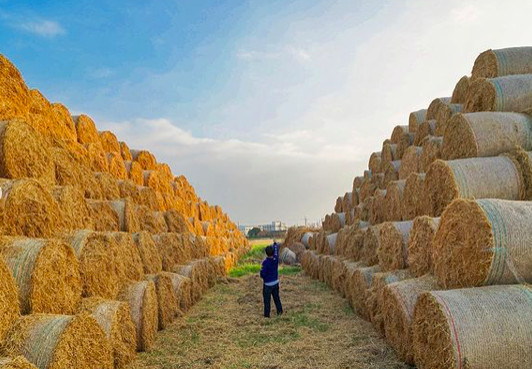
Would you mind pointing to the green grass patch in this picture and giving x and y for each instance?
(289, 270)
(256, 253)
(251, 268)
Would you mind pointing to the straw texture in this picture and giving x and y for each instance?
(503, 62)
(420, 245)
(393, 245)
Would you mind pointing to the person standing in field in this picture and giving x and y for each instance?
(269, 273)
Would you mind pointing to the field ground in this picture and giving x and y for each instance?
(225, 330)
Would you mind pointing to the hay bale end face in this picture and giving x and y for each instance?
(393, 245)
(149, 254)
(18, 362)
(167, 303)
(393, 200)
(460, 90)
(183, 290)
(415, 119)
(431, 150)
(443, 320)
(414, 199)
(420, 245)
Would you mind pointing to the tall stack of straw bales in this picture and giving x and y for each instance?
(100, 245)
(433, 245)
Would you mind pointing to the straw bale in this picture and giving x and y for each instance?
(109, 142)
(288, 257)
(405, 141)
(305, 239)
(347, 201)
(167, 303)
(297, 248)
(444, 113)
(24, 153)
(74, 148)
(338, 274)
(497, 177)
(374, 296)
(99, 269)
(29, 209)
(165, 171)
(146, 159)
(420, 245)
(497, 252)
(104, 216)
(148, 252)
(174, 248)
(393, 245)
(391, 171)
(476, 328)
(108, 186)
(359, 285)
(127, 189)
(14, 94)
(435, 106)
(127, 215)
(147, 197)
(414, 199)
(18, 362)
(425, 129)
(60, 341)
(151, 221)
(357, 182)
(9, 300)
(503, 62)
(460, 90)
(377, 211)
(86, 129)
(196, 271)
(397, 133)
(40, 115)
(393, 200)
(114, 317)
(389, 153)
(154, 180)
(379, 181)
(116, 166)
(508, 93)
(367, 174)
(142, 300)
(175, 222)
(415, 119)
(338, 207)
(183, 290)
(68, 171)
(375, 162)
(431, 150)
(366, 190)
(398, 311)
(134, 171)
(525, 162)
(73, 207)
(410, 163)
(199, 247)
(97, 158)
(331, 243)
(370, 245)
(62, 124)
(128, 257)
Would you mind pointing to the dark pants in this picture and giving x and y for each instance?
(267, 293)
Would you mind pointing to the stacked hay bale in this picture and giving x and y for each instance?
(82, 218)
(457, 190)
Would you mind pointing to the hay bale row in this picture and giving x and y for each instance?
(420, 245)
(392, 250)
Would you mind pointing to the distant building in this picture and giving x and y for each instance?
(275, 226)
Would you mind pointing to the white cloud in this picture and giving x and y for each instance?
(43, 27)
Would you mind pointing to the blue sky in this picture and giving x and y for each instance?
(269, 107)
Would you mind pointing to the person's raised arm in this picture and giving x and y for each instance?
(276, 250)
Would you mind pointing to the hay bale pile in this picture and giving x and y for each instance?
(444, 270)
(83, 219)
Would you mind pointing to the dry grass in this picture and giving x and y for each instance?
(226, 330)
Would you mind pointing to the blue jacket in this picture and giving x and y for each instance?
(269, 271)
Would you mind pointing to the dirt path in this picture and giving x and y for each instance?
(225, 330)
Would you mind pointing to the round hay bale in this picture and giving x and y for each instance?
(116, 166)
(200, 249)
(389, 153)
(350, 268)
(338, 207)
(410, 163)
(127, 216)
(508, 93)
(134, 172)
(46, 273)
(393, 245)
(393, 200)
(14, 94)
(486, 134)
(374, 296)
(497, 252)
(59, 341)
(498, 177)
(357, 182)
(288, 256)
(130, 263)
(175, 222)
(398, 311)
(150, 221)
(435, 106)
(297, 248)
(147, 197)
(360, 283)
(338, 273)
(148, 252)
(503, 62)
(29, 209)
(196, 272)
(104, 217)
(305, 239)
(375, 162)
(391, 171)
(146, 159)
(114, 318)
(154, 180)
(108, 185)
(330, 243)
(425, 129)
(460, 90)
(444, 113)
(420, 245)
(405, 141)
(525, 162)
(167, 303)
(40, 114)
(109, 142)
(97, 158)
(127, 189)
(431, 150)
(183, 290)
(414, 199)
(370, 245)
(367, 174)
(86, 129)
(73, 207)
(397, 133)
(377, 212)
(125, 152)
(346, 202)
(378, 180)
(366, 190)
(415, 119)
(33, 159)
(458, 324)
(98, 266)
(9, 300)
(174, 248)
(142, 300)
(18, 362)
